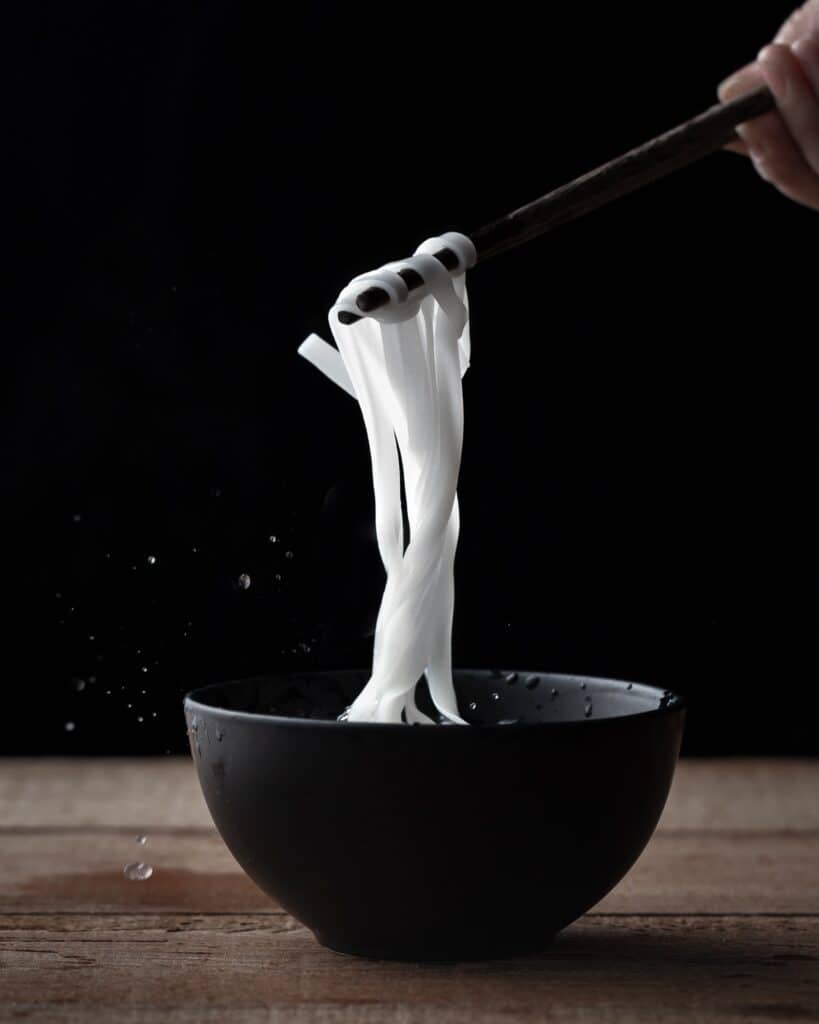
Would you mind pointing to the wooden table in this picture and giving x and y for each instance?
(717, 921)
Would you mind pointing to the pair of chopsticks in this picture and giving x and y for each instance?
(677, 148)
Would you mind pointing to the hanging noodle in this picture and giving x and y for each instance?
(404, 364)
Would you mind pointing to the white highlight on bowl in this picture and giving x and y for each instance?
(404, 364)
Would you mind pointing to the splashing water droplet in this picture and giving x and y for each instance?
(243, 581)
(142, 840)
(137, 871)
(151, 559)
(70, 727)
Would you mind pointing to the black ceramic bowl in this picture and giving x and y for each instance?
(436, 842)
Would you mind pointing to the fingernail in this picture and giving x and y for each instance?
(776, 80)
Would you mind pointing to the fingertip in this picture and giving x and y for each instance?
(739, 83)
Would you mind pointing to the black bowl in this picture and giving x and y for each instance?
(436, 842)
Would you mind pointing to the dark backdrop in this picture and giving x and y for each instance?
(191, 184)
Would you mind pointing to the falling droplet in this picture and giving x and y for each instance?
(587, 710)
(582, 686)
(69, 727)
(495, 696)
(140, 718)
(219, 734)
(278, 577)
(142, 840)
(144, 668)
(91, 637)
(77, 517)
(554, 692)
(243, 581)
(473, 706)
(288, 554)
(273, 538)
(151, 559)
(629, 686)
(80, 684)
(137, 871)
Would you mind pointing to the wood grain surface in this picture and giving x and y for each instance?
(718, 921)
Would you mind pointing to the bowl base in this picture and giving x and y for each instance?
(424, 952)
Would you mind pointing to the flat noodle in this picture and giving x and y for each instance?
(404, 365)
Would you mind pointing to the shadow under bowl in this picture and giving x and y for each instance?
(443, 842)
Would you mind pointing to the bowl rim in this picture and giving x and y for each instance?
(673, 705)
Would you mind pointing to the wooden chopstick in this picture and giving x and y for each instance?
(683, 145)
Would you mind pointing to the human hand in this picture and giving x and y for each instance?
(784, 146)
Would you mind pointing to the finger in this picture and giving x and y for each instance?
(806, 50)
(740, 82)
(778, 160)
(797, 102)
(737, 146)
(802, 22)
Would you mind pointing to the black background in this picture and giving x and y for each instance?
(191, 184)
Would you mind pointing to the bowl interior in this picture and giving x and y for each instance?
(485, 697)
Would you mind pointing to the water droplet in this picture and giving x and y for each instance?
(137, 872)
(554, 692)
(278, 577)
(629, 686)
(473, 706)
(151, 559)
(495, 696)
(587, 710)
(58, 595)
(77, 517)
(273, 538)
(532, 682)
(69, 727)
(142, 840)
(79, 684)
(140, 718)
(144, 668)
(510, 677)
(216, 492)
(195, 550)
(91, 637)
(508, 721)
(243, 581)
(288, 554)
(219, 734)
(582, 686)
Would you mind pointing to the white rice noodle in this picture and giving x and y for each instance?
(404, 364)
